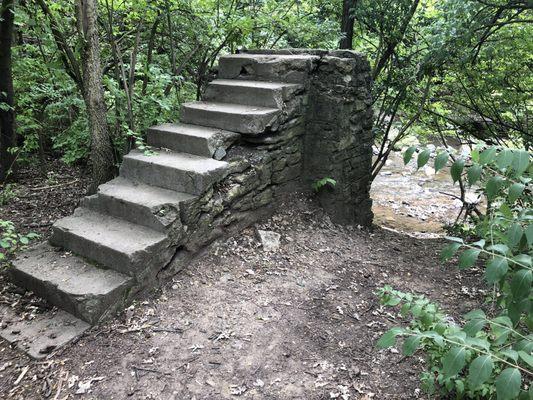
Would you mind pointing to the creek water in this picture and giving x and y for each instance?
(415, 201)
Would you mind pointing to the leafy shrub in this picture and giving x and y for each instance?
(479, 359)
(11, 241)
(484, 356)
(7, 193)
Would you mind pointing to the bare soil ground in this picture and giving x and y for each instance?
(239, 322)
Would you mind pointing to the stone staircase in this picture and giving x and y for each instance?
(273, 122)
(119, 238)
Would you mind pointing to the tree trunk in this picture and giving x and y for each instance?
(7, 111)
(347, 22)
(102, 158)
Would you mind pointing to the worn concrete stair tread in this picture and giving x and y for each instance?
(249, 92)
(254, 84)
(229, 116)
(193, 139)
(267, 67)
(41, 335)
(112, 242)
(146, 205)
(69, 282)
(138, 193)
(173, 170)
(265, 58)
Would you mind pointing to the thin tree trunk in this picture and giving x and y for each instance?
(391, 46)
(347, 22)
(70, 62)
(151, 44)
(101, 147)
(7, 103)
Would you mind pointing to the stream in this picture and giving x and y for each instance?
(412, 201)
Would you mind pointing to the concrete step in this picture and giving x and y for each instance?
(150, 206)
(117, 244)
(293, 68)
(251, 93)
(244, 119)
(181, 172)
(192, 139)
(69, 282)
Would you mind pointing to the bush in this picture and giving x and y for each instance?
(483, 357)
(11, 241)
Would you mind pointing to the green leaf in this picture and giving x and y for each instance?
(449, 250)
(24, 240)
(508, 384)
(521, 284)
(441, 160)
(494, 183)
(514, 234)
(506, 211)
(474, 326)
(410, 345)
(468, 258)
(529, 235)
(5, 244)
(496, 269)
(515, 191)
(522, 259)
(499, 248)
(480, 243)
(389, 338)
(475, 155)
(475, 314)
(408, 154)
(526, 357)
(514, 310)
(479, 371)
(487, 156)
(510, 354)
(504, 158)
(457, 169)
(473, 174)
(454, 239)
(423, 158)
(520, 161)
(454, 361)
(501, 328)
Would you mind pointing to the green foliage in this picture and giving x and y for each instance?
(321, 183)
(11, 241)
(7, 193)
(480, 358)
(460, 67)
(483, 357)
(155, 56)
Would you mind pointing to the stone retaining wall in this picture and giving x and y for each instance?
(325, 131)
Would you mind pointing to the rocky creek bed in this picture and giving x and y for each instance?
(299, 322)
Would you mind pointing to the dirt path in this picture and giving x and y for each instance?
(298, 323)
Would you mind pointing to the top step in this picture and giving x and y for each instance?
(267, 67)
(250, 93)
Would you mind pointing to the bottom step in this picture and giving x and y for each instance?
(41, 335)
(69, 282)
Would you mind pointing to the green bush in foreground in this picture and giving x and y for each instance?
(482, 357)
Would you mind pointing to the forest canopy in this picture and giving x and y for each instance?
(451, 67)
